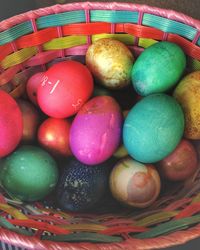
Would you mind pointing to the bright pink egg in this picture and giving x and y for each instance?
(66, 86)
(95, 133)
(32, 86)
(11, 124)
(181, 163)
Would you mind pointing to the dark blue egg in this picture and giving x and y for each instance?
(81, 186)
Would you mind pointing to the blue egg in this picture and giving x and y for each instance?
(81, 186)
(153, 128)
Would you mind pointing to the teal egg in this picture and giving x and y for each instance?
(28, 174)
(153, 128)
(158, 68)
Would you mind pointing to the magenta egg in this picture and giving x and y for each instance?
(95, 133)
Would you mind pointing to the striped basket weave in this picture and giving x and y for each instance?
(29, 43)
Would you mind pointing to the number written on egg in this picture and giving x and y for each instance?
(45, 81)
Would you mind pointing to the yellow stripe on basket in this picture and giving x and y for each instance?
(124, 38)
(18, 57)
(65, 42)
(12, 211)
(145, 43)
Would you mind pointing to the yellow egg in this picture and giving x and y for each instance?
(187, 94)
(111, 62)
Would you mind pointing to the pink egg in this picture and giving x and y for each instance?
(95, 133)
(32, 86)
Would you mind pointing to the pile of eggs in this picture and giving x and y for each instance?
(71, 134)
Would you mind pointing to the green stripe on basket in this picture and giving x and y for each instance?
(84, 237)
(169, 227)
(169, 26)
(61, 19)
(15, 32)
(114, 16)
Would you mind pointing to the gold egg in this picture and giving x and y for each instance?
(187, 94)
(111, 62)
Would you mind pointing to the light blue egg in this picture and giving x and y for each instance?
(153, 128)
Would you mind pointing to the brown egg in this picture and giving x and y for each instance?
(187, 94)
(111, 62)
(31, 120)
(134, 183)
(181, 163)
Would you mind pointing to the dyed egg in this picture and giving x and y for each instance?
(31, 120)
(80, 187)
(111, 62)
(181, 163)
(158, 68)
(153, 128)
(187, 94)
(65, 87)
(28, 174)
(32, 86)
(11, 124)
(95, 133)
(53, 135)
(134, 183)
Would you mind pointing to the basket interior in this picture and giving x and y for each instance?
(32, 42)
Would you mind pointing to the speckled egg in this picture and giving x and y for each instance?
(134, 183)
(158, 68)
(187, 93)
(80, 186)
(153, 128)
(28, 174)
(95, 132)
(111, 62)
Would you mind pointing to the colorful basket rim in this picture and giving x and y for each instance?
(175, 238)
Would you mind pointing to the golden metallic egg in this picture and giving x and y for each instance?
(111, 62)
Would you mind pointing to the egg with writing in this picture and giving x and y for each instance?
(158, 68)
(65, 87)
(134, 184)
(187, 94)
(153, 128)
(95, 132)
(80, 186)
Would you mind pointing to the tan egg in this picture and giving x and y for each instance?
(134, 183)
(187, 94)
(111, 62)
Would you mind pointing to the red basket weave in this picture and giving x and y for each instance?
(29, 43)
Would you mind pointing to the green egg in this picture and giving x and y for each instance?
(28, 174)
(158, 68)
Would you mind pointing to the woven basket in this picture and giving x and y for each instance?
(29, 43)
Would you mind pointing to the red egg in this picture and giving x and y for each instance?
(31, 120)
(11, 124)
(181, 163)
(66, 86)
(53, 135)
(32, 86)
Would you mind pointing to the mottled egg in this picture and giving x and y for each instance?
(11, 124)
(95, 132)
(187, 93)
(181, 163)
(158, 68)
(111, 62)
(153, 128)
(29, 173)
(134, 183)
(80, 186)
